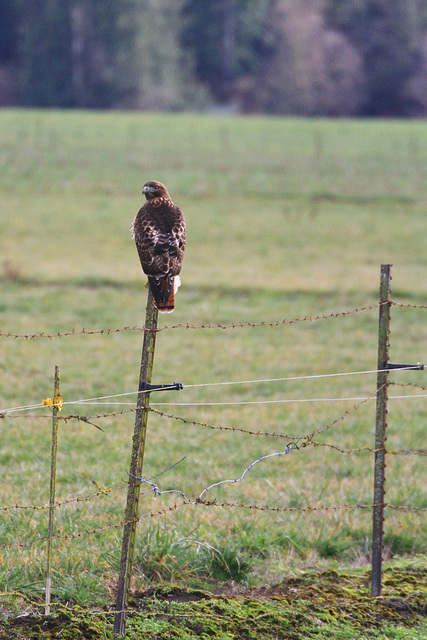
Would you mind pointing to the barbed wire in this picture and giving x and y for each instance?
(215, 503)
(89, 419)
(238, 325)
(210, 503)
(298, 442)
(72, 416)
(273, 434)
(406, 452)
(102, 491)
(327, 445)
(154, 486)
(223, 428)
(79, 534)
(392, 452)
(105, 491)
(267, 433)
(234, 325)
(155, 489)
(347, 413)
(407, 384)
(73, 332)
(407, 306)
(307, 440)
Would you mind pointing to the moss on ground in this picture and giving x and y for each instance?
(312, 605)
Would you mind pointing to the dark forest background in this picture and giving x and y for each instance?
(302, 57)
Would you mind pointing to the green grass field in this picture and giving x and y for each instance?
(286, 219)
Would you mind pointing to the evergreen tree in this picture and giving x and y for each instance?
(8, 31)
(286, 56)
(226, 38)
(103, 47)
(387, 33)
(45, 53)
(76, 52)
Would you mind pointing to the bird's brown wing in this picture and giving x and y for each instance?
(159, 230)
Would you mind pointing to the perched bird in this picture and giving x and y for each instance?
(160, 234)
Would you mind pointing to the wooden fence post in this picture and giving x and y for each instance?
(380, 430)
(137, 457)
(52, 489)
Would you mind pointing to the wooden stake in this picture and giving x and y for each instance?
(138, 447)
(54, 450)
(380, 431)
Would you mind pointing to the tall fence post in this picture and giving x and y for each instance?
(380, 430)
(54, 450)
(137, 457)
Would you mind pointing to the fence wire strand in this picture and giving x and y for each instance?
(100, 399)
(234, 325)
(211, 503)
(295, 442)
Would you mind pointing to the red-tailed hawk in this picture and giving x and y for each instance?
(159, 232)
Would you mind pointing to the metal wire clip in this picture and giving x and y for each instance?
(175, 386)
(416, 367)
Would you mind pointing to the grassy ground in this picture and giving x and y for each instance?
(320, 605)
(286, 219)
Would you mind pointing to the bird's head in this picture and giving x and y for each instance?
(154, 189)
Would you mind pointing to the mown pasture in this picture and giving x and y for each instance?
(287, 219)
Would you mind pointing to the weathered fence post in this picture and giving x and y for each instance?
(138, 446)
(380, 430)
(56, 397)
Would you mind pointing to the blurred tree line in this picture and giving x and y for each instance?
(304, 57)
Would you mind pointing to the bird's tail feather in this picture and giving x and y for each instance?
(163, 289)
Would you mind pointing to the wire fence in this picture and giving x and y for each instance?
(236, 325)
(202, 497)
